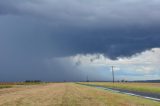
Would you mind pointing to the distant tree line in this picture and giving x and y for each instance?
(33, 81)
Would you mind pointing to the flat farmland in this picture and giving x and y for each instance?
(67, 94)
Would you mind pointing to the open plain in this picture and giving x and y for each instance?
(67, 94)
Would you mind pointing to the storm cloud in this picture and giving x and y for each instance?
(35, 30)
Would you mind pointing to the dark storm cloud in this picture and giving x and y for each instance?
(115, 28)
(33, 30)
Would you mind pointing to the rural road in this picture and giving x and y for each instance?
(66, 94)
(144, 94)
(148, 95)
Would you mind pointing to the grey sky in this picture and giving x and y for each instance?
(35, 30)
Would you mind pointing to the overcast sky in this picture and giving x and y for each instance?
(57, 40)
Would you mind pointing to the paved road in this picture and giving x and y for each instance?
(152, 95)
(148, 95)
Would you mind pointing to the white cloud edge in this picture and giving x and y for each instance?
(144, 65)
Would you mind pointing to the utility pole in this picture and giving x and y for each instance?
(87, 79)
(113, 73)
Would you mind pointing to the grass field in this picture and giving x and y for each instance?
(142, 87)
(66, 94)
(10, 85)
(5, 86)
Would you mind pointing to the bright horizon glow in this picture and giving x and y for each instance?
(144, 66)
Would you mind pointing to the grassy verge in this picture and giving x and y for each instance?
(115, 99)
(141, 87)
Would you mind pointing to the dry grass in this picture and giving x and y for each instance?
(5, 86)
(67, 94)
